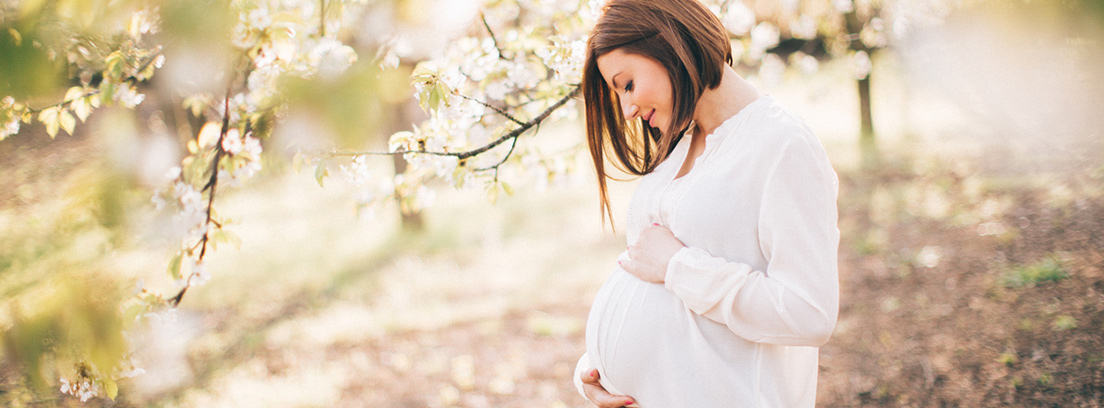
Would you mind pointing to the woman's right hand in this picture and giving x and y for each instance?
(598, 394)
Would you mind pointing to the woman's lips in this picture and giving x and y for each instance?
(649, 118)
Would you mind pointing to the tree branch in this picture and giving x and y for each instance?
(495, 40)
(63, 103)
(494, 108)
(483, 149)
(495, 167)
(212, 184)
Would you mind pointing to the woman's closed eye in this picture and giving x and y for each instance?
(629, 86)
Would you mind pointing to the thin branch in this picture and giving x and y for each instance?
(724, 7)
(480, 150)
(495, 108)
(513, 144)
(322, 18)
(63, 103)
(495, 40)
(212, 184)
(94, 92)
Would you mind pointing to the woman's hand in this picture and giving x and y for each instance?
(598, 394)
(649, 256)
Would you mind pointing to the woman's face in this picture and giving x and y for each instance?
(642, 85)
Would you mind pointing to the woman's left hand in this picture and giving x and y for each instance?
(649, 256)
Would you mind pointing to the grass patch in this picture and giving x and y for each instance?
(1049, 269)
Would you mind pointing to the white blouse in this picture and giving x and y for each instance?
(754, 293)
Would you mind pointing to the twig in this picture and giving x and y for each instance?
(480, 150)
(495, 108)
(724, 7)
(495, 40)
(513, 144)
(94, 92)
(322, 17)
(63, 103)
(212, 184)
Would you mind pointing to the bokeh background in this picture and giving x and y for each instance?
(971, 254)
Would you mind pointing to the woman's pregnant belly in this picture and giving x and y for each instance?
(648, 345)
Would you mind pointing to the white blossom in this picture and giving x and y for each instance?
(128, 96)
(82, 388)
(485, 60)
(331, 57)
(259, 18)
(251, 146)
(763, 37)
(191, 219)
(173, 173)
(143, 22)
(844, 6)
(771, 70)
(860, 65)
(804, 27)
(565, 59)
(132, 372)
(873, 35)
(357, 171)
(243, 36)
(9, 128)
(164, 315)
(390, 59)
(232, 142)
(807, 63)
(157, 200)
(738, 19)
(199, 275)
(929, 256)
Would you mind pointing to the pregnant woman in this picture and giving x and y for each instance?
(729, 284)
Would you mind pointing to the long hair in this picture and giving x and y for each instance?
(688, 40)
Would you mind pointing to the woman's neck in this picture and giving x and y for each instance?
(725, 101)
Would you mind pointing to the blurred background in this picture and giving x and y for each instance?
(969, 148)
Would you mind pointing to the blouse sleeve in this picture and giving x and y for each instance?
(582, 365)
(795, 301)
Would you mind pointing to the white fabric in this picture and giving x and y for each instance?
(755, 292)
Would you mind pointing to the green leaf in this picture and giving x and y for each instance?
(81, 108)
(492, 192)
(148, 72)
(222, 235)
(67, 121)
(49, 117)
(110, 388)
(107, 90)
(297, 161)
(320, 172)
(74, 93)
(506, 188)
(16, 37)
(443, 91)
(397, 140)
(459, 175)
(114, 63)
(195, 104)
(133, 311)
(174, 266)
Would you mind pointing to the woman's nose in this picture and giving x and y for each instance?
(629, 109)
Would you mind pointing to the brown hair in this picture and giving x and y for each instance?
(691, 44)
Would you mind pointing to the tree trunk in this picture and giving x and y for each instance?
(867, 143)
(400, 119)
